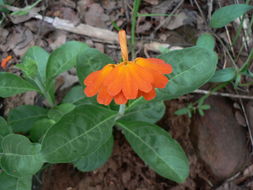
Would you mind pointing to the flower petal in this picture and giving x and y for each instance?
(90, 91)
(144, 73)
(91, 78)
(155, 64)
(103, 96)
(160, 80)
(96, 80)
(114, 80)
(142, 84)
(129, 86)
(148, 96)
(120, 99)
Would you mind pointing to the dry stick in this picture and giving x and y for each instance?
(247, 121)
(84, 29)
(223, 94)
(210, 9)
(228, 36)
(97, 34)
(201, 12)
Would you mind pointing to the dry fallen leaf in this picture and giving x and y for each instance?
(183, 18)
(95, 16)
(20, 39)
(60, 38)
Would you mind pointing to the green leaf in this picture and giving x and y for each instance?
(11, 85)
(29, 68)
(39, 129)
(142, 110)
(201, 112)
(157, 149)
(22, 118)
(12, 183)
(97, 158)
(59, 111)
(35, 62)
(4, 127)
(1, 150)
(207, 41)
(182, 111)
(64, 58)
(20, 157)
(192, 67)
(90, 60)
(78, 133)
(224, 75)
(205, 107)
(227, 14)
(76, 96)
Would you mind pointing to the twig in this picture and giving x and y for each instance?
(228, 36)
(201, 12)
(247, 121)
(223, 94)
(98, 34)
(84, 29)
(210, 9)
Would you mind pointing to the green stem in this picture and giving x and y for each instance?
(45, 93)
(133, 26)
(122, 109)
(248, 61)
(49, 99)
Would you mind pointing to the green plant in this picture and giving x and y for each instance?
(78, 130)
(229, 75)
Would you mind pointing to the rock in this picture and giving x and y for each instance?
(249, 110)
(219, 140)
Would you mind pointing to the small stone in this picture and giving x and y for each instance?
(219, 140)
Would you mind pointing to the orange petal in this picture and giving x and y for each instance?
(129, 86)
(155, 64)
(103, 96)
(144, 73)
(114, 80)
(90, 91)
(91, 78)
(5, 61)
(120, 99)
(94, 86)
(148, 96)
(160, 81)
(142, 84)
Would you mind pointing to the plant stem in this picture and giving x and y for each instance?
(248, 61)
(49, 99)
(122, 109)
(133, 26)
(44, 92)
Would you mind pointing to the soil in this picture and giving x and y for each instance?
(124, 170)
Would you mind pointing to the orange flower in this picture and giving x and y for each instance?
(127, 80)
(5, 61)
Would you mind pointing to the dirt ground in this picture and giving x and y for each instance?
(218, 145)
